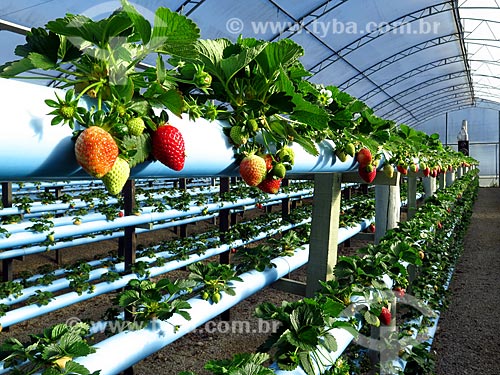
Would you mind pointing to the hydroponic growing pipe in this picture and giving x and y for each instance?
(31, 311)
(51, 144)
(133, 346)
(26, 238)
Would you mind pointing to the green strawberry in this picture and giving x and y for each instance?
(116, 178)
(253, 169)
(389, 170)
(286, 155)
(341, 154)
(279, 170)
(236, 135)
(136, 126)
(350, 149)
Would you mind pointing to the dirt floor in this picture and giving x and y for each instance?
(468, 340)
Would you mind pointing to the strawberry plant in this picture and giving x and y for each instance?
(242, 363)
(146, 300)
(98, 59)
(49, 353)
(305, 327)
(214, 278)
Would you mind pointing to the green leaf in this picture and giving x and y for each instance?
(371, 319)
(329, 342)
(234, 63)
(281, 53)
(306, 363)
(142, 25)
(115, 25)
(174, 34)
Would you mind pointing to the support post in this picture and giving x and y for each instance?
(183, 227)
(224, 223)
(324, 230)
(387, 208)
(442, 180)
(412, 196)
(130, 237)
(128, 245)
(285, 203)
(7, 194)
(428, 191)
(450, 178)
(347, 195)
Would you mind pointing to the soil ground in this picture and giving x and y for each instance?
(468, 340)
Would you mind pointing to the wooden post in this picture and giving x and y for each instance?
(324, 230)
(427, 181)
(285, 202)
(7, 264)
(7, 194)
(183, 227)
(442, 180)
(412, 196)
(450, 178)
(130, 237)
(387, 208)
(224, 224)
(347, 195)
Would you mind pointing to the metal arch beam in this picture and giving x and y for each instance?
(192, 4)
(422, 85)
(399, 56)
(455, 89)
(414, 72)
(458, 23)
(13, 27)
(329, 48)
(424, 12)
(443, 98)
(302, 23)
(436, 109)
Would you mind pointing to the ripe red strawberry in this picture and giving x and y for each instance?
(270, 185)
(268, 158)
(427, 171)
(364, 157)
(367, 173)
(401, 169)
(168, 147)
(439, 225)
(385, 316)
(371, 228)
(253, 169)
(399, 292)
(96, 151)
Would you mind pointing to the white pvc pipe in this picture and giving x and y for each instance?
(123, 350)
(51, 144)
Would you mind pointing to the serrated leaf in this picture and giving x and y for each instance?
(142, 25)
(174, 34)
(141, 145)
(330, 343)
(76, 368)
(276, 55)
(306, 363)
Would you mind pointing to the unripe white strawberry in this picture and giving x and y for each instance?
(116, 178)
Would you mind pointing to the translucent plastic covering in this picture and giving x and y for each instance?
(410, 60)
(484, 137)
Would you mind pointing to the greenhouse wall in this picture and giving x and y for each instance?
(484, 137)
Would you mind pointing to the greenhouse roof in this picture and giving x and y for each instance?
(409, 60)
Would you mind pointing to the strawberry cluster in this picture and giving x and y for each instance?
(266, 172)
